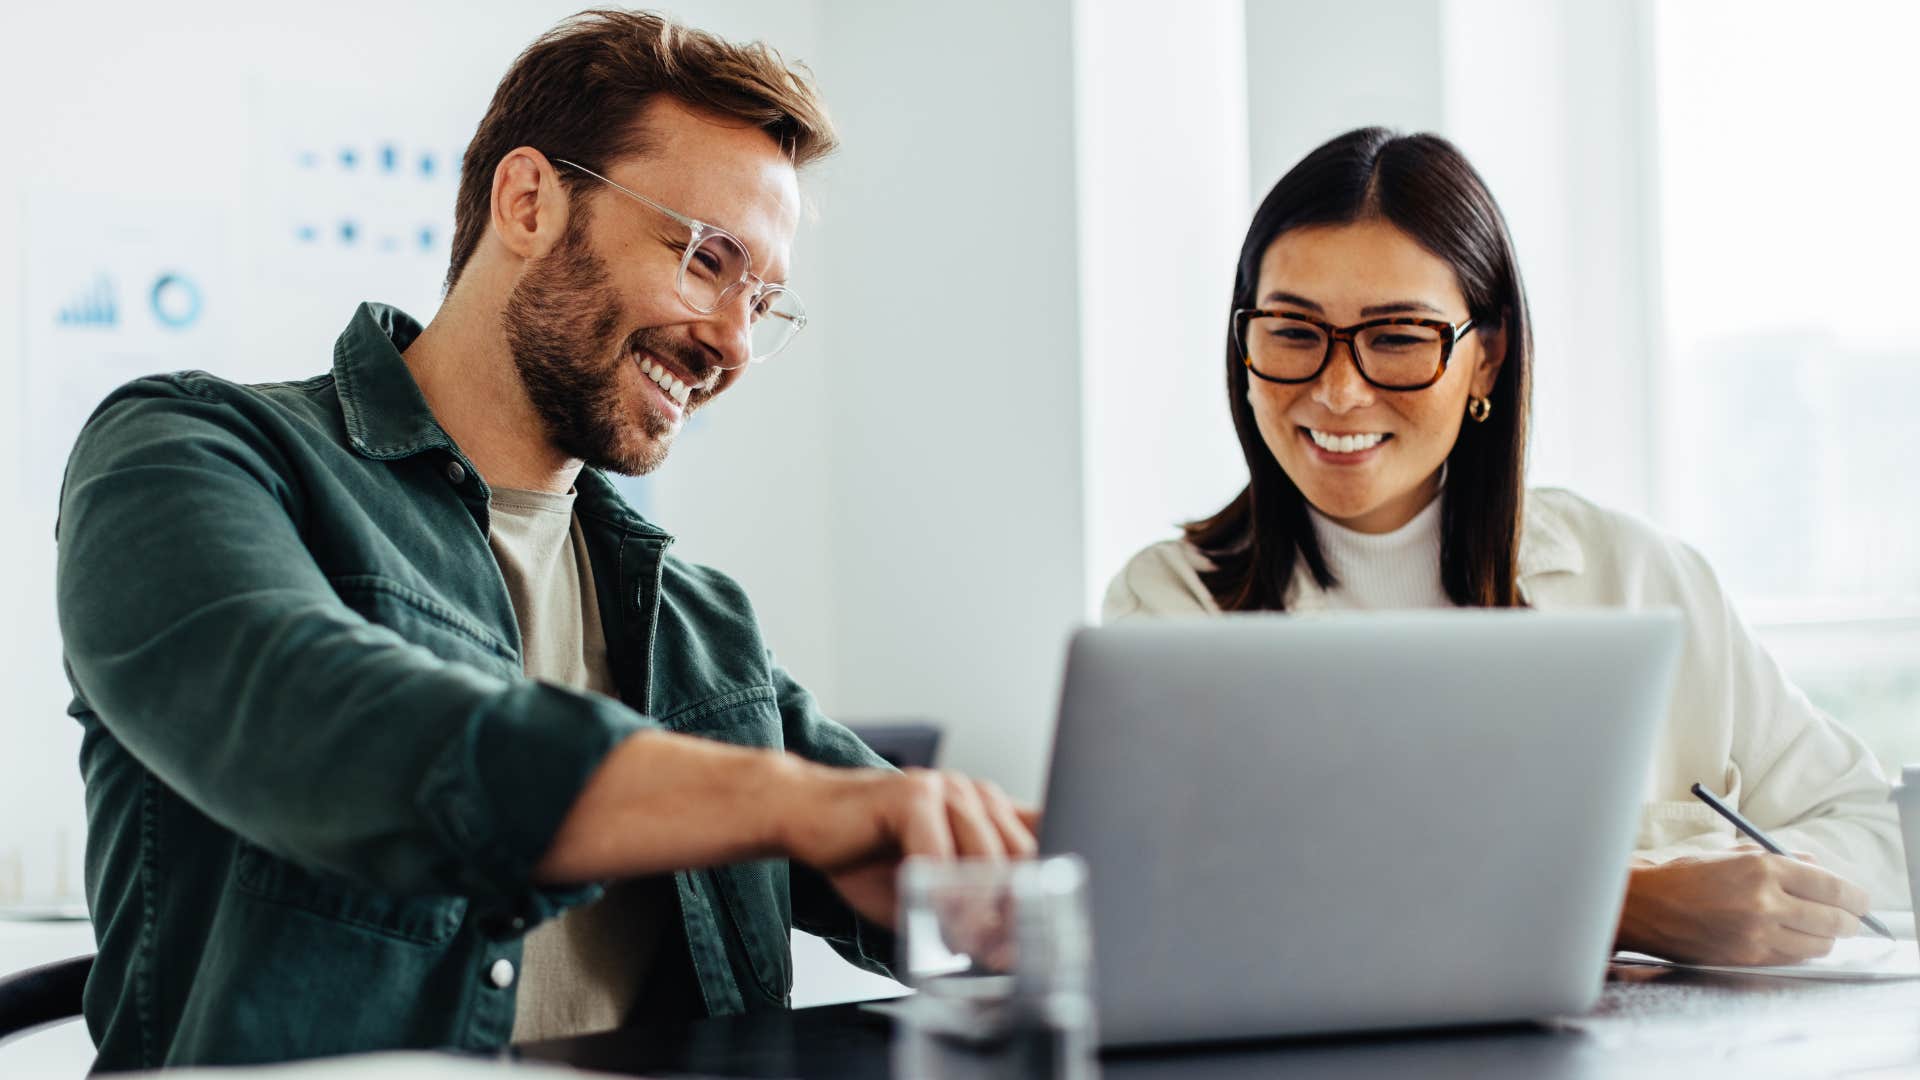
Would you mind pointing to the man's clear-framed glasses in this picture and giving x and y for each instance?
(714, 268)
(1392, 353)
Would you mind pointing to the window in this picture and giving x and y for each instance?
(1788, 397)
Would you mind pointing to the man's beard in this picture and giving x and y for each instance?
(561, 324)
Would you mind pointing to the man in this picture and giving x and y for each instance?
(401, 729)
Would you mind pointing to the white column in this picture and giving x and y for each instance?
(1162, 108)
(950, 329)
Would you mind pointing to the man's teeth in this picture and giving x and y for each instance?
(1345, 444)
(665, 379)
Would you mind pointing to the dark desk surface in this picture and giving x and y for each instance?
(1665, 1023)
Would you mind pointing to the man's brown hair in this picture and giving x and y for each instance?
(577, 92)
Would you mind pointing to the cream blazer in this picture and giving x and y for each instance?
(1737, 724)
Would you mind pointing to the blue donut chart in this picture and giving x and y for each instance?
(175, 301)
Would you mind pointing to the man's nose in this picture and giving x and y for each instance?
(1340, 387)
(728, 331)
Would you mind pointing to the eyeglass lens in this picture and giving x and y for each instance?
(1391, 356)
(713, 273)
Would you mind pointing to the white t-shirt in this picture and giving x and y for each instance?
(580, 973)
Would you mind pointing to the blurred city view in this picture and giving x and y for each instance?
(1798, 479)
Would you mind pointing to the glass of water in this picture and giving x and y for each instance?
(1000, 954)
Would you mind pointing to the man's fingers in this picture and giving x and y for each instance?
(1015, 834)
(924, 829)
(1821, 886)
(974, 832)
(1029, 816)
(946, 814)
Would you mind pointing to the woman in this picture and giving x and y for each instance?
(1378, 373)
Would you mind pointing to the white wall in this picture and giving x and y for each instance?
(950, 323)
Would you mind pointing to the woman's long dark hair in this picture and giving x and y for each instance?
(1424, 186)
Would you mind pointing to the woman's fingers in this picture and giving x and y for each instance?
(1810, 882)
(1792, 947)
(1809, 919)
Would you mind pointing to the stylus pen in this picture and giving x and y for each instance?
(1766, 841)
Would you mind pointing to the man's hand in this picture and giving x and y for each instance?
(1738, 907)
(856, 825)
(662, 802)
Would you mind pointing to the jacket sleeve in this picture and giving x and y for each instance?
(1806, 780)
(817, 908)
(209, 643)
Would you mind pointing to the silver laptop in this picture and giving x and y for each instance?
(1336, 823)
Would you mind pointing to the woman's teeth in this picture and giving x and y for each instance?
(1345, 444)
(665, 379)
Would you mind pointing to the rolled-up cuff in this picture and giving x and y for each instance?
(499, 790)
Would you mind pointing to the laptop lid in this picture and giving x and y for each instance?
(1341, 822)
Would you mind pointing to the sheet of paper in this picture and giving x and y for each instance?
(1858, 959)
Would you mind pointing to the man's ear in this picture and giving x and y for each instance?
(1493, 353)
(529, 209)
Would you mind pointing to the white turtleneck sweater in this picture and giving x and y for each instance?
(1381, 571)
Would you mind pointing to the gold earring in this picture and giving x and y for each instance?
(1479, 408)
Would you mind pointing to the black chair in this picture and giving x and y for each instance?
(42, 995)
(904, 744)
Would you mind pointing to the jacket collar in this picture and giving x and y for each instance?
(1547, 546)
(386, 415)
(601, 500)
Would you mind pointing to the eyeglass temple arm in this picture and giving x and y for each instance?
(698, 227)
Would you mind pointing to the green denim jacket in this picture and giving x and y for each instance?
(317, 780)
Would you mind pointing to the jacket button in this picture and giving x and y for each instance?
(501, 973)
(456, 473)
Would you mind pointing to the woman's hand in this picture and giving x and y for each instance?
(1738, 907)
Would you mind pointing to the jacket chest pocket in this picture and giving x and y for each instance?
(756, 895)
(425, 621)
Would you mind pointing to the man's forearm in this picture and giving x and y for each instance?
(663, 802)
